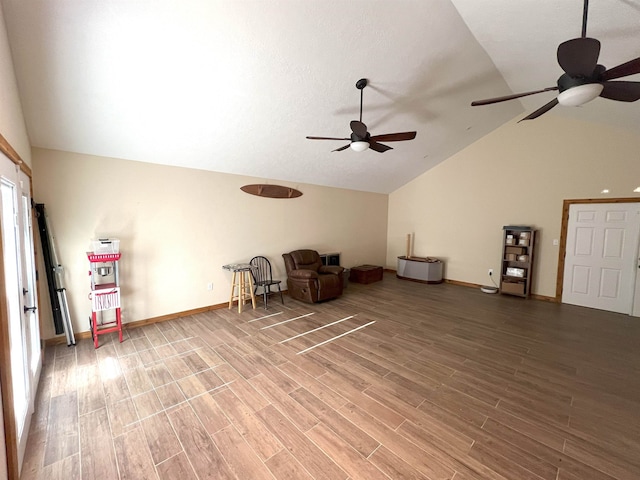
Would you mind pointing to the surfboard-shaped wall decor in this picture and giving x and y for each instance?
(271, 191)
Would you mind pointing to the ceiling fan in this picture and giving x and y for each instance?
(360, 137)
(584, 79)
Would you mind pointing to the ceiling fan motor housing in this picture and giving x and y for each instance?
(566, 81)
(356, 138)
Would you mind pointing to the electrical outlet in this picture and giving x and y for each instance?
(210, 286)
(490, 271)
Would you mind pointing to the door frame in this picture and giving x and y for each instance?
(6, 380)
(566, 204)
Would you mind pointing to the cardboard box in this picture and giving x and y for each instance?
(510, 240)
(511, 257)
(516, 250)
(523, 258)
(516, 288)
(526, 235)
(523, 241)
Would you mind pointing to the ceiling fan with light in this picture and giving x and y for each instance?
(361, 139)
(584, 79)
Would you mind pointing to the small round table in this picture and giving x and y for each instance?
(243, 283)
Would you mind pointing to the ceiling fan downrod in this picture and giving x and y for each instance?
(584, 18)
(360, 84)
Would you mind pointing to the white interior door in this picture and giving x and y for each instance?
(636, 297)
(601, 256)
(19, 274)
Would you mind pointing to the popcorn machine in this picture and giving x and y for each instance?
(105, 288)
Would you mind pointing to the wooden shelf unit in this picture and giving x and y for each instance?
(516, 272)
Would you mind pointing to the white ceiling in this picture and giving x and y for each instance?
(235, 85)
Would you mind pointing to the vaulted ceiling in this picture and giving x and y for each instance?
(235, 85)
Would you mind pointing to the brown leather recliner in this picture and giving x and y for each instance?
(310, 281)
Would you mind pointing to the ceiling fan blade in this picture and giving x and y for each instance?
(378, 147)
(624, 70)
(541, 110)
(394, 137)
(621, 91)
(359, 128)
(489, 101)
(341, 148)
(578, 57)
(327, 138)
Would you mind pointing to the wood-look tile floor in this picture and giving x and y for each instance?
(448, 383)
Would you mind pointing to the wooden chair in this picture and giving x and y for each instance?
(262, 276)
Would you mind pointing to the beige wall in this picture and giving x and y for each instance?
(519, 174)
(12, 126)
(178, 226)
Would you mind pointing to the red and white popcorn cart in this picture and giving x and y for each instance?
(105, 288)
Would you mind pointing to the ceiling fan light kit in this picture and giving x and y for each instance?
(576, 96)
(359, 146)
(361, 139)
(584, 79)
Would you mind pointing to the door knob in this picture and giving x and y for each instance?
(26, 309)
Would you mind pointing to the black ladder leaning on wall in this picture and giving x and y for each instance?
(57, 292)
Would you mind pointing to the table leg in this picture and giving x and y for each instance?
(233, 286)
(241, 293)
(251, 292)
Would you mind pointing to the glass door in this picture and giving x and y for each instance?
(29, 289)
(19, 274)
